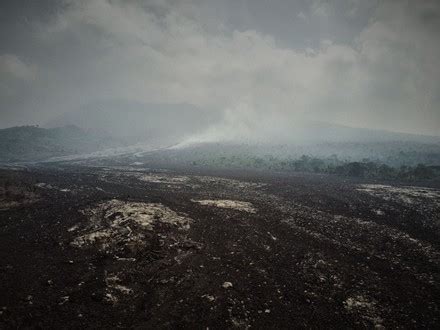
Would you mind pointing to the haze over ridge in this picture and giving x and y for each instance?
(260, 70)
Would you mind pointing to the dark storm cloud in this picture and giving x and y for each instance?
(265, 65)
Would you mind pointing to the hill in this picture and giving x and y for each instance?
(135, 122)
(33, 143)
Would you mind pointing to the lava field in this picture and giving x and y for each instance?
(134, 247)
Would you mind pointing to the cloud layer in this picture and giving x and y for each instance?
(386, 76)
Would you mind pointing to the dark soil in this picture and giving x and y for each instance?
(318, 252)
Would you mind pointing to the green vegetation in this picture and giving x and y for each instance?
(331, 165)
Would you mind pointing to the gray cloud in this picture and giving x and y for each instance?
(13, 67)
(264, 72)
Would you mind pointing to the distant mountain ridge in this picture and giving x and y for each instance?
(172, 123)
(329, 132)
(317, 139)
(33, 143)
(135, 122)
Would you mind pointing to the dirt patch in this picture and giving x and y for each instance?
(228, 204)
(115, 290)
(231, 183)
(165, 179)
(406, 194)
(116, 225)
(365, 308)
(12, 196)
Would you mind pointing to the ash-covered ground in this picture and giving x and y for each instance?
(129, 246)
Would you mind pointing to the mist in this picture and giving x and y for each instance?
(249, 70)
(219, 164)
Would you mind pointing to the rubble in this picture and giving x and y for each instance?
(116, 224)
(154, 249)
(228, 204)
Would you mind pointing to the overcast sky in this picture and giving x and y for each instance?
(360, 63)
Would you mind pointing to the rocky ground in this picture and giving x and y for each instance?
(106, 247)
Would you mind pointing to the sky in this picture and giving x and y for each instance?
(264, 65)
